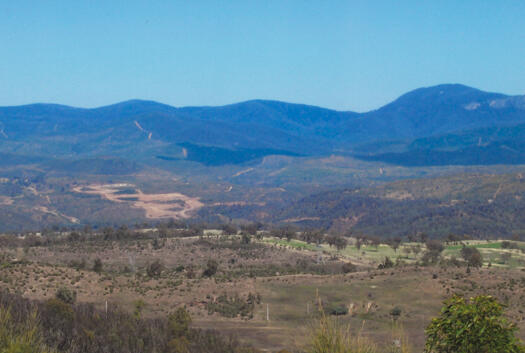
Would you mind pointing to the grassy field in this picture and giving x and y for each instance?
(492, 252)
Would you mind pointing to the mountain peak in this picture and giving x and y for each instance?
(135, 106)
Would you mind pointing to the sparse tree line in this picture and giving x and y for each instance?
(179, 228)
(427, 250)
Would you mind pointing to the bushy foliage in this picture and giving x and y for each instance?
(67, 295)
(349, 267)
(98, 265)
(234, 306)
(155, 269)
(472, 256)
(211, 268)
(472, 326)
(81, 328)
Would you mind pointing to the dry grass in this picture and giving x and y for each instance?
(369, 294)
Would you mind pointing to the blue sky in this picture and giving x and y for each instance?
(347, 55)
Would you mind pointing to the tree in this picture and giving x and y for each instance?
(179, 322)
(394, 243)
(433, 252)
(283, 232)
(395, 313)
(229, 229)
(289, 233)
(250, 228)
(375, 241)
(98, 266)
(246, 238)
(179, 328)
(452, 238)
(472, 256)
(472, 326)
(386, 264)
(340, 243)
(311, 236)
(435, 245)
(155, 269)
(211, 268)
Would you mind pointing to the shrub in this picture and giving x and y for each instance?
(349, 267)
(155, 269)
(179, 323)
(98, 266)
(336, 309)
(386, 264)
(66, 295)
(211, 268)
(395, 313)
(472, 326)
(234, 306)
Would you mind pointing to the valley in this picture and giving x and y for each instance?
(261, 219)
(162, 269)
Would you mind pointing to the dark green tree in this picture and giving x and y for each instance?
(472, 326)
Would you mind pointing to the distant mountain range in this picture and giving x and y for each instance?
(440, 125)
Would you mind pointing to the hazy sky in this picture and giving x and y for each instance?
(348, 55)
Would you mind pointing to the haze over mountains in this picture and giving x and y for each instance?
(440, 125)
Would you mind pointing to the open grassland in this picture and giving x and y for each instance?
(275, 279)
(492, 250)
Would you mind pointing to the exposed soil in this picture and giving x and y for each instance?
(168, 205)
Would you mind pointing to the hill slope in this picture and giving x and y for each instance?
(477, 205)
(142, 130)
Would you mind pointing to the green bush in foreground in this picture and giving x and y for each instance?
(472, 326)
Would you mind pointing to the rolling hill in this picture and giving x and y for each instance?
(476, 205)
(143, 130)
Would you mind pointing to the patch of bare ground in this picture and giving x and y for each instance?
(5, 200)
(162, 205)
(47, 210)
